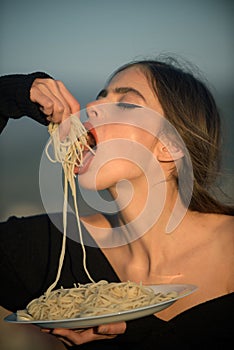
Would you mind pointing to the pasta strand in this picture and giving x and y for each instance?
(68, 152)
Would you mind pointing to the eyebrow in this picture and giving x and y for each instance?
(122, 91)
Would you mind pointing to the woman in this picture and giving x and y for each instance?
(198, 250)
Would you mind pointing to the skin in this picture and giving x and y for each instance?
(201, 242)
(55, 100)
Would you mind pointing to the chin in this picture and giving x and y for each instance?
(90, 182)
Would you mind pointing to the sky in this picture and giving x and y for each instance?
(81, 42)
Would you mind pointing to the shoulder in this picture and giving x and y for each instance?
(220, 231)
(213, 236)
(224, 221)
(211, 229)
(222, 236)
(216, 226)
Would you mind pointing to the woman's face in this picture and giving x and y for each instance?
(125, 120)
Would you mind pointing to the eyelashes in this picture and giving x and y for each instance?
(124, 105)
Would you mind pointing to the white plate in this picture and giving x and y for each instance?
(92, 321)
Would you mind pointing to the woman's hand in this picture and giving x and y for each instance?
(55, 101)
(80, 336)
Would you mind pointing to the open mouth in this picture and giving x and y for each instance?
(91, 136)
(88, 151)
(91, 140)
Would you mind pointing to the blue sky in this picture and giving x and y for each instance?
(83, 41)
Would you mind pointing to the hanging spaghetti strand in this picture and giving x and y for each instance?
(69, 152)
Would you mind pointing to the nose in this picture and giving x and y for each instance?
(94, 109)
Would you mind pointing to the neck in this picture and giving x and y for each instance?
(144, 209)
(146, 218)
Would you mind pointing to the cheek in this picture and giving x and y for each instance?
(138, 136)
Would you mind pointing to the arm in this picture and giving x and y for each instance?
(15, 97)
(35, 95)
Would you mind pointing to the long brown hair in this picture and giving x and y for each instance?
(190, 107)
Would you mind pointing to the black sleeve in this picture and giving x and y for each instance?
(15, 98)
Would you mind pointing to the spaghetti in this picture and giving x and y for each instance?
(92, 299)
(69, 152)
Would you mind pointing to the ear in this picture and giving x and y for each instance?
(168, 152)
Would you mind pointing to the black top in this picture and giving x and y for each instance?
(30, 249)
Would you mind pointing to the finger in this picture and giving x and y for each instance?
(55, 107)
(64, 128)
(61, 109)
(71, 100)
(46, 92)
(112, 328)
(42, 99)
(66, 102)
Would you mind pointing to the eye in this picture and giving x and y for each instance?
(124, 105)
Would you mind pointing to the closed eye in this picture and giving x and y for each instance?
(124, 105)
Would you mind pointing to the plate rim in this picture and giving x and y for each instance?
(12, 318)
